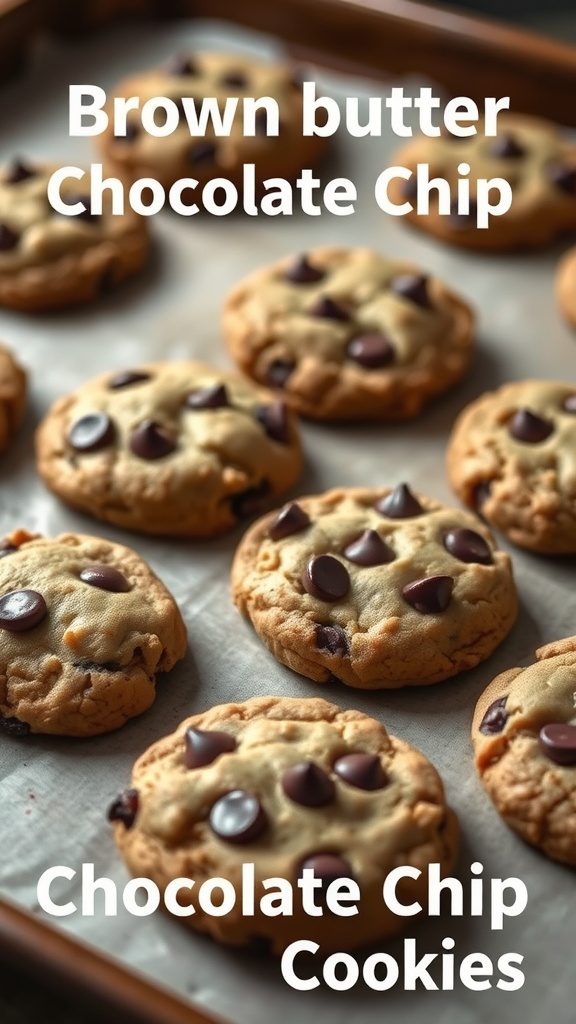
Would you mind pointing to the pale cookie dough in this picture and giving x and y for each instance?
(178, 449)
(566, 286)
(524, 734)
(512, 456)
(85, 625)
(201, 76)
(531, 154)
(286, 784)
(12, 396)
(349, 334)
(374, 587)
(47, 259)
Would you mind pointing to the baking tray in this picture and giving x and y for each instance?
(173, 312)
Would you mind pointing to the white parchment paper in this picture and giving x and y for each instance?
(54, 793)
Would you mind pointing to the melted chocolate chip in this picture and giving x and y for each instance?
(307, 784)
(331, 639)
(526, 426)
(328, 308)
(327, 867)
(92, 432)
(369, 549)
(429, 595)
(506, 147)
(124, 808)
(234, 79)
(21, 610)
(409, 188)
(261, 123)
(303, 272)
(495, 717)
(132, 132)
(371, 350)
(238, 817)
(150, 441)
(18, 171)
(463, 220)
(481, 493)
(326, 578)
(468, 546)
(6, 548)
(364, 771)
(126, 378)
(400, 504)
(251, 501)
(290, 519)
(8, 239)
(106, 578)
(202, 153)
(563, 176)
(203, 746)
(181, 65)
(279, 371)
(570, 404)
(215, 396)
(413, 287)
(14, 727)
(274, 418)
(558, 742)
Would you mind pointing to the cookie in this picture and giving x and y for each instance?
(349, 334)
(524, 734)
(212, 77)
(85, 625)
(286, 784)
(12, 396)
(378, 588)
(512, 457)
(531, 154)
(565, 286)
(49, 260)
(179, 449)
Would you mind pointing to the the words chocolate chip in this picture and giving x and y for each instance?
(213, 397)
(400, 504)
(290, 519)
(238, 817)
(274, 419)
(327, 867)
(495, 717)
(251, 501)
(202, 153)
(327, 307)
(150, 441)
(303, 272)
(364, 771)
(371, 350)
(181, 64)
(526, 426)
(429, 595)
(8, 238)
(278, 372)
(307, 784)
(105, 577)
(92, 432)
(126, 378)
(558, 742)
(14, 727)
(331, 639)
(468, 546)
(326, 578)
(21, 610)
(18, 171)
(563, 176)
(369, 549)
(124, 808)
(506, 147)
(203, 746)
(413, 287)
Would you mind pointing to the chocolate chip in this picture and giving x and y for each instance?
(570, 404)
(409, 188)
(369, 549)
(261, 122)
(251, 501)
(181, 65)
(400, 504)
(364, 771)
(132, 132)
(506, 147)
(124, 808)
(495, 717)
(429, 595)
(558, 742)
(332, 639)
(6, 548)
(481, 493)
(463, 220)
(8, 238)
(92, 432)
(215, 396)
(150, 441)
(234, 79)
(202, 153)
(274, 418)
(326, 578)
(126, 378)
(203, 746)
(303, 272)
(307, 784)
(106, 578)
(563, 176)
(279, 371)
(328, 308)
(371, 350)
(413, 287)
(21, 610)
(238, 817)
(327, 867)
(14, 727)
(290, 519)
(468, 546)
(18, 171)
(526, 426)
(85, 214)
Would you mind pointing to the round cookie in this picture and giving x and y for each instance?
(48, 260)
(220, 76)
(524, 734)
(374, 587)
(178, 449)
(512, 456)
(531, 154)
(84, 627)
(565, 286)
(12, 396)
(286, 784)
(349, 334)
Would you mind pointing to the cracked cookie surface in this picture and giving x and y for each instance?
(12, 396)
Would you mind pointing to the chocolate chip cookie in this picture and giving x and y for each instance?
(530, 154)
(47, 259)
(566, 286)
(349, 334)
(179, 449)
(524, 734)
(12, 396)
(286, 785)
(379, 588)
(85, 625)
(512, 457)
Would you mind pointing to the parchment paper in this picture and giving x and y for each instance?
(54, 792)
